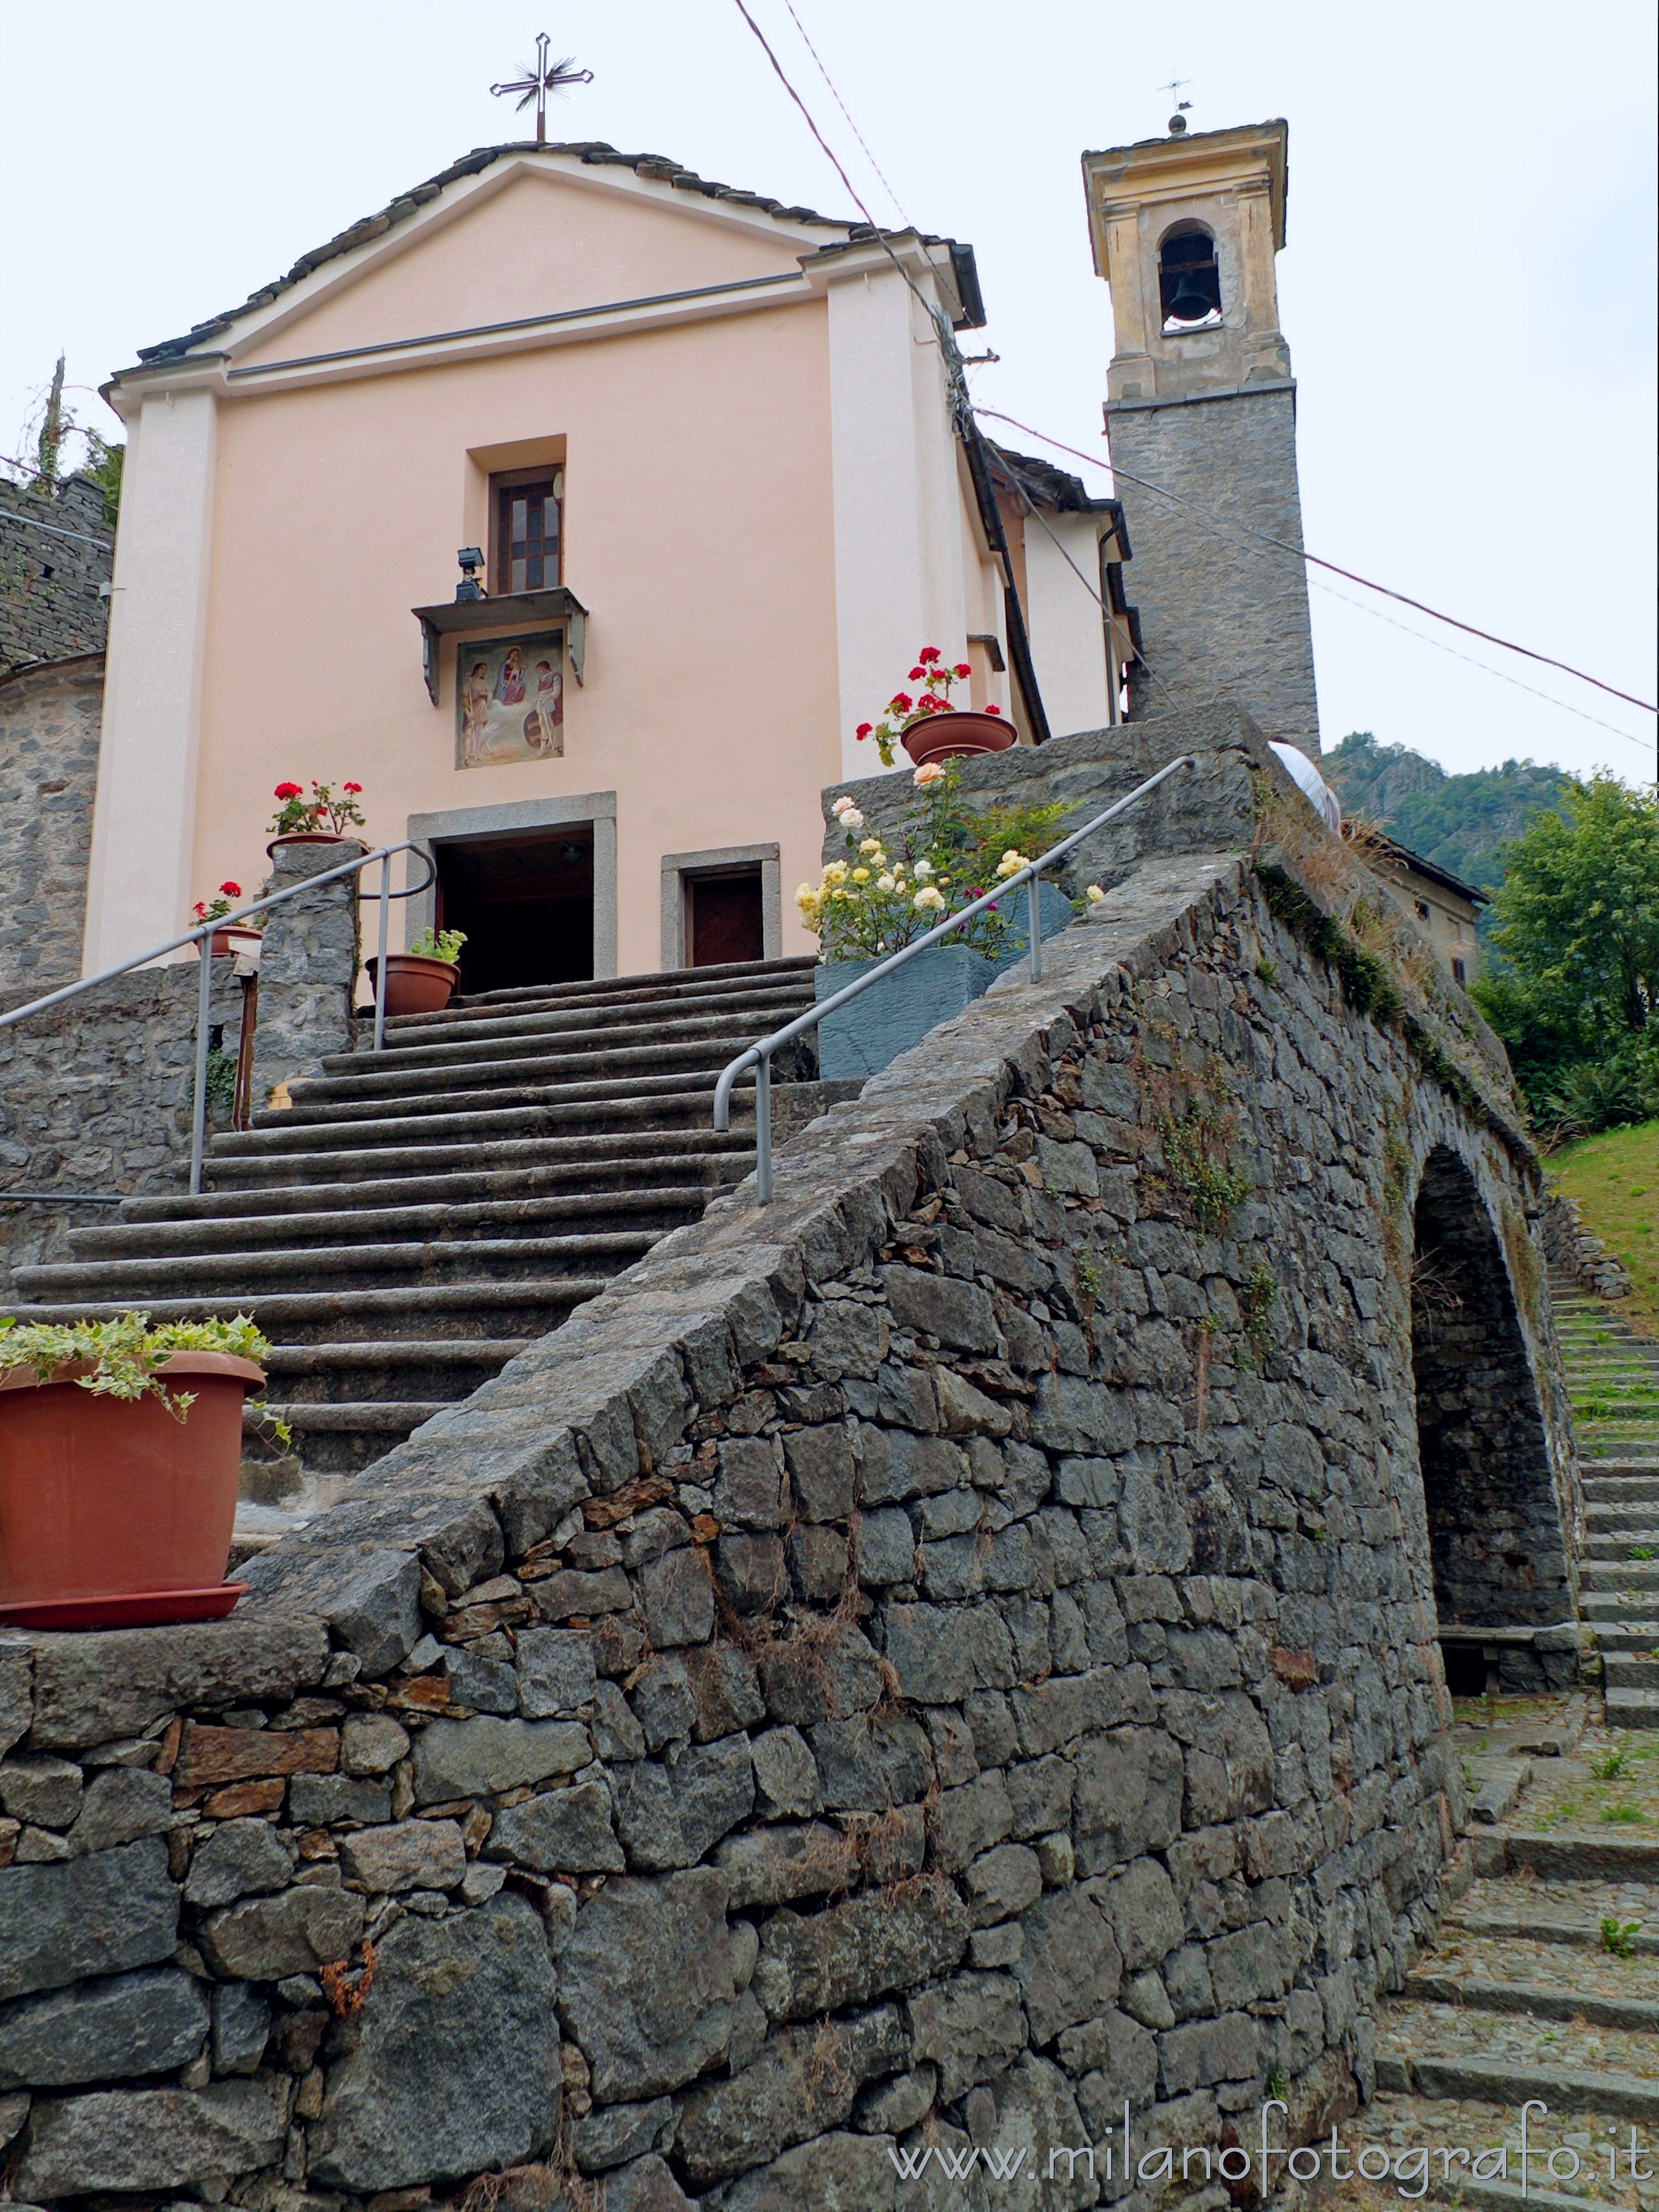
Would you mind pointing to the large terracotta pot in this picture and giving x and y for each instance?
(305, 837)
(953, 736)
(414, 983)
(105, 1501)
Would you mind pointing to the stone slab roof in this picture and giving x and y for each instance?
(660, 167)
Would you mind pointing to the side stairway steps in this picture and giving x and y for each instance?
(412, 1218)
(1613, 1379)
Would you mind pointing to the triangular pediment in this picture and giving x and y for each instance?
(533, 236)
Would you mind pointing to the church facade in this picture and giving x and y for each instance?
(702, 448)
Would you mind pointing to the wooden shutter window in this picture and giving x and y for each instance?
(527, 533)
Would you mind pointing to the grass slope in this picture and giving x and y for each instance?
(1616, 1179)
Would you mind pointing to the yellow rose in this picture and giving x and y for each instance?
(860, 875)
(1094, 894)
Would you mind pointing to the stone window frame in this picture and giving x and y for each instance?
(462, 825)
(679, 869)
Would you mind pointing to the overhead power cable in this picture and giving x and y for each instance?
(1229, 535)
(975, 444)
(807, 42)
(1301, 553)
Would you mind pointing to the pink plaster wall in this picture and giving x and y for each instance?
(698, 534)
(537, 243)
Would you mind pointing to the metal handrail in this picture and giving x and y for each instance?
(759, 1056)
(206, 930)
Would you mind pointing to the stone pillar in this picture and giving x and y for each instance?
(308, 968)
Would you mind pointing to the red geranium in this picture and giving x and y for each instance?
(351, 787)
(936, 675)
(288, 791)
(231, 890)
(992, 708)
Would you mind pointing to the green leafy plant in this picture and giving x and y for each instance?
(1629, 1816)
(439, 945)
(1257, 1295)
(1267, 971)
(220, 1081)
(1197, 1163)
(1277, 2085)
(124, 1356)
(1619, 1937)
(1610, 1768)
(322, 811)
(885, 894)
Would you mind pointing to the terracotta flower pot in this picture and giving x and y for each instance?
(954, 735)
(105, 1501)
(414, 983)
(305, 837)
(224, 941)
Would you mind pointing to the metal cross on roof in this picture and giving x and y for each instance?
(537, 80)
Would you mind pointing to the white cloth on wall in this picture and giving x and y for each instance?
(1310, 780)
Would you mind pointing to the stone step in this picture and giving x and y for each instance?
(652, 1208)
(1619, 1519)
(1634, 1638)
(1600, 1574)
(1632, 1708)
(431, 1369)
(369, 1162)
(1526, 1928)
(663, 982)
(580, 1164)
(534, 1067)
(1555, 1856)
(452, 1308)
(656, 1073)
(554, 1038)
(1446, 2074)
(314, 1267)
(478, 1032)
(1433, 1984)
(589, 1107)
(1622, 1672)
(348, 1436)
(1632, 1544)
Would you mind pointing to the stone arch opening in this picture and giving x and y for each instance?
(1188, 281)
(1495, 1537)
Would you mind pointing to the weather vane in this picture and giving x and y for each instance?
(1177, 121)
(537, 80)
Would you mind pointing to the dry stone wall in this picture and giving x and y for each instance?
(50, 602)
(96, 1094)
(912, 1670)
(50, 719)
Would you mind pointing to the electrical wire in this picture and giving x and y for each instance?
(1469, 661)
(807, 42)
(953, 365)
(1300, 553)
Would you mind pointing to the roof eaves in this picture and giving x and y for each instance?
(594, 152)
(1419, 865)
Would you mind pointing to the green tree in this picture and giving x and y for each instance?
(1576, 928)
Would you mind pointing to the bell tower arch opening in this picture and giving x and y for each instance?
(1189, 280)
(1495, 1535)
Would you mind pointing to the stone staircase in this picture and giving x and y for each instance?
(414, 1217)
(1613, 1375)
(1541, 1982)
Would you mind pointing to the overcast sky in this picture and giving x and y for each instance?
(1467, 288)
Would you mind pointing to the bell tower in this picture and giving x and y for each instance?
(1200, 402)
